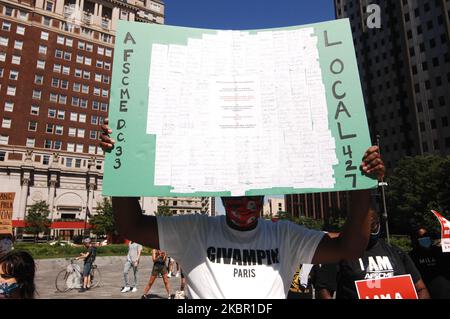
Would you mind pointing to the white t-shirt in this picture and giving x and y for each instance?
(220, 262)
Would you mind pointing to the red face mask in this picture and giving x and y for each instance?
(243, 211)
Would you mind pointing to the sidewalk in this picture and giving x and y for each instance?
(111, 269)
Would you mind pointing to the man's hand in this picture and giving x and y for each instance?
(107, 143)
(372, 163)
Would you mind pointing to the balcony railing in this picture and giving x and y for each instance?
(105, 23)
(87, 18)
(68, 10)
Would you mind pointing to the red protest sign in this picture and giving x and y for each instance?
(445, 232)
(398, 287)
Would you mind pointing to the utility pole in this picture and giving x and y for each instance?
(382, 184)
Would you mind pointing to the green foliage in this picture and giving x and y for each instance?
(103, 223)
(302, 220)
(417, 185)
(37, 219)
(402, 242)
(163, 211)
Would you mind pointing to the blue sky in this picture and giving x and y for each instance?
(244, 15)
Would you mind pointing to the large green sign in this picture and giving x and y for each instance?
(199, 112)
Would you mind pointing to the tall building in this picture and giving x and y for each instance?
(55, 74)
(405, 73)
(273, 207)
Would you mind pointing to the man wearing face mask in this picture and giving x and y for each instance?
(380, 260)
(240, 255)
(432, 263)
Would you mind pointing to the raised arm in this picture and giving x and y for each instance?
(354, 237)
(130, 221)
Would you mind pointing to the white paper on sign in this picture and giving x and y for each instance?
(235, 111)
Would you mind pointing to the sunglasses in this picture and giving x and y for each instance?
(6, 276)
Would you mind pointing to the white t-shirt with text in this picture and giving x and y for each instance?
(220, 262)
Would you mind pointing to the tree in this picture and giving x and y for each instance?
(164, 210)
(103, 223)
(417, 185)
(302, 220)
(37, 219)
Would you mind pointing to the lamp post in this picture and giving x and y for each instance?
(382, 184)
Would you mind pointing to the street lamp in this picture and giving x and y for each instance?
(383, 184)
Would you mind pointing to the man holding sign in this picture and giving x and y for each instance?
(240, 255)
(376, 275)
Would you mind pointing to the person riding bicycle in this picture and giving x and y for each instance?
(89, 258)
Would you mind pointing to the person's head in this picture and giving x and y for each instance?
(243, 212)
(17, 270)
(87, 242)
(421, 239)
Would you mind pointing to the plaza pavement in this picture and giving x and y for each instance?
(111, 269)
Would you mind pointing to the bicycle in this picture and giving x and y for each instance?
(72, 278)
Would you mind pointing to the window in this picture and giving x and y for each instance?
(82, 118)
(4, 41)
(70, 148)
(61, 115)
(83, 103)
(105, 93)
(93, 135)
(81, 45)
(99, 64)
(96, 91)
(59, 129)
(89, 47)
(94, 119)
(104, 107)
(78, 162)
(69, 42)
(4, 139)
(95, 105)
(80, 133)
(79, 148)
(20, 30)
(1, 74)
(2, 56)
(87, 61)
(67, 56)
(9, 107)
(32, 126)
(66, 70)
(13, 75)
(49, 6)
(79, 58)
(34, 110)
(74, 117)
(49, 128)
(23, 15)
(6, 26)
(100, 50)
(98, 77)
(42, 49)
(86, 75)
(75, 101)
(107, 66)
(51, 113)
(53, 97)
(91, 149)
(46, 158)
(85, 88)
(8, 11)
(108, 52)
(47, 144)
(40, 64)
(69, 160)
(63, 99)
(106, 79)
(58, 54)
(57, 145)
(15, 59)
(76, 87)
(46, 21)
(30, 142)
(18, 45)
(55, 82)
(78, 73)
(72, 131)
(6, 122)
(64, 84)
(11, 90)
(57, 68)
(44, 35)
